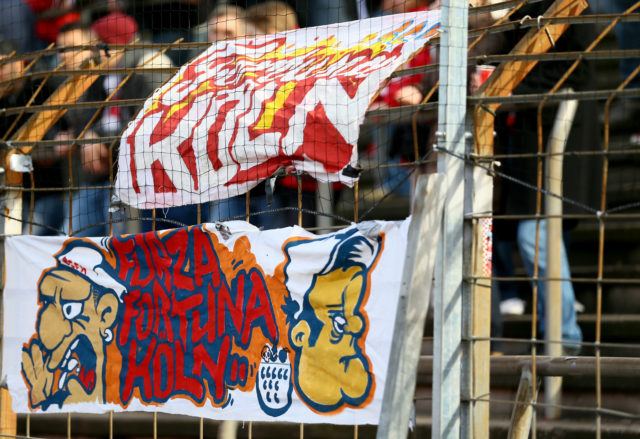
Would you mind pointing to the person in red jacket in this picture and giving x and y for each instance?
(394, 143)
(60, 12)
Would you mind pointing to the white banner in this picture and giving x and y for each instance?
(244, 109)
(220, 322)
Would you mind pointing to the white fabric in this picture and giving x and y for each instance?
(244, 109)
(28, 258)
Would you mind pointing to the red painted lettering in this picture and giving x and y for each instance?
(144, 320)
(161, 314)
(159, 262)
(165, 373)
(130, 312)
(201, 358)
(226, 305)
(184, 383)
(135, 371)
(180, 310)
(124, 248)
(206, 260)
(208, 327)
(176, 247)
(259, 307)
(141, 268)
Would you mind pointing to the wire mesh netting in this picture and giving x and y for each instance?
(553, 104)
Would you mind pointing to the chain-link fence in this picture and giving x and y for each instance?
(535, 131)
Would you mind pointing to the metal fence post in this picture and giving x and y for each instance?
(553, 303)
(448, 300)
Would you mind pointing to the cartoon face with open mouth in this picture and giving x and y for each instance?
(64, 361)
(79, 363)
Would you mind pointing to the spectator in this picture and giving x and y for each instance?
(90, 206)
(394, 143)
(225, 22)
(268, 17)
(53, 15)
(626, 112)
(120, 28)
(93, 157)
(517, 133)
(401, 6)
(272, 16)
(17, 23)
(229, 22)
(10, 70)
(279, 17)
(48, 211)
(75, 34)
(168, 21)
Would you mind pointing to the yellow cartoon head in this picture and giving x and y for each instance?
(327, 332)
(65, 360)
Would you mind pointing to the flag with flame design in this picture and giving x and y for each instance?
(244, 109)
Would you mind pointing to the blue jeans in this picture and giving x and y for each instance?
(229, 209)
(91, 212)
(178, 217)
(49, 209)
(502, 264)
(284, 199)
(397, 178)
(527, 246)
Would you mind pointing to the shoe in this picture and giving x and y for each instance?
(513, 306)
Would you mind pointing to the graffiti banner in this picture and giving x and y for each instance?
(245, 109)
(223, 322)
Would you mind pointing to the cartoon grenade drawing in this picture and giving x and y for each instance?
(274, 381)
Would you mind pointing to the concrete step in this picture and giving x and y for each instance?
(578, 398)
(619, 334)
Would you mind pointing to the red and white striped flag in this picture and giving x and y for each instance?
(245, 108)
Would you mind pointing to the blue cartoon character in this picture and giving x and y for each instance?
(64, 362)
(326, 319)
(274, 381)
